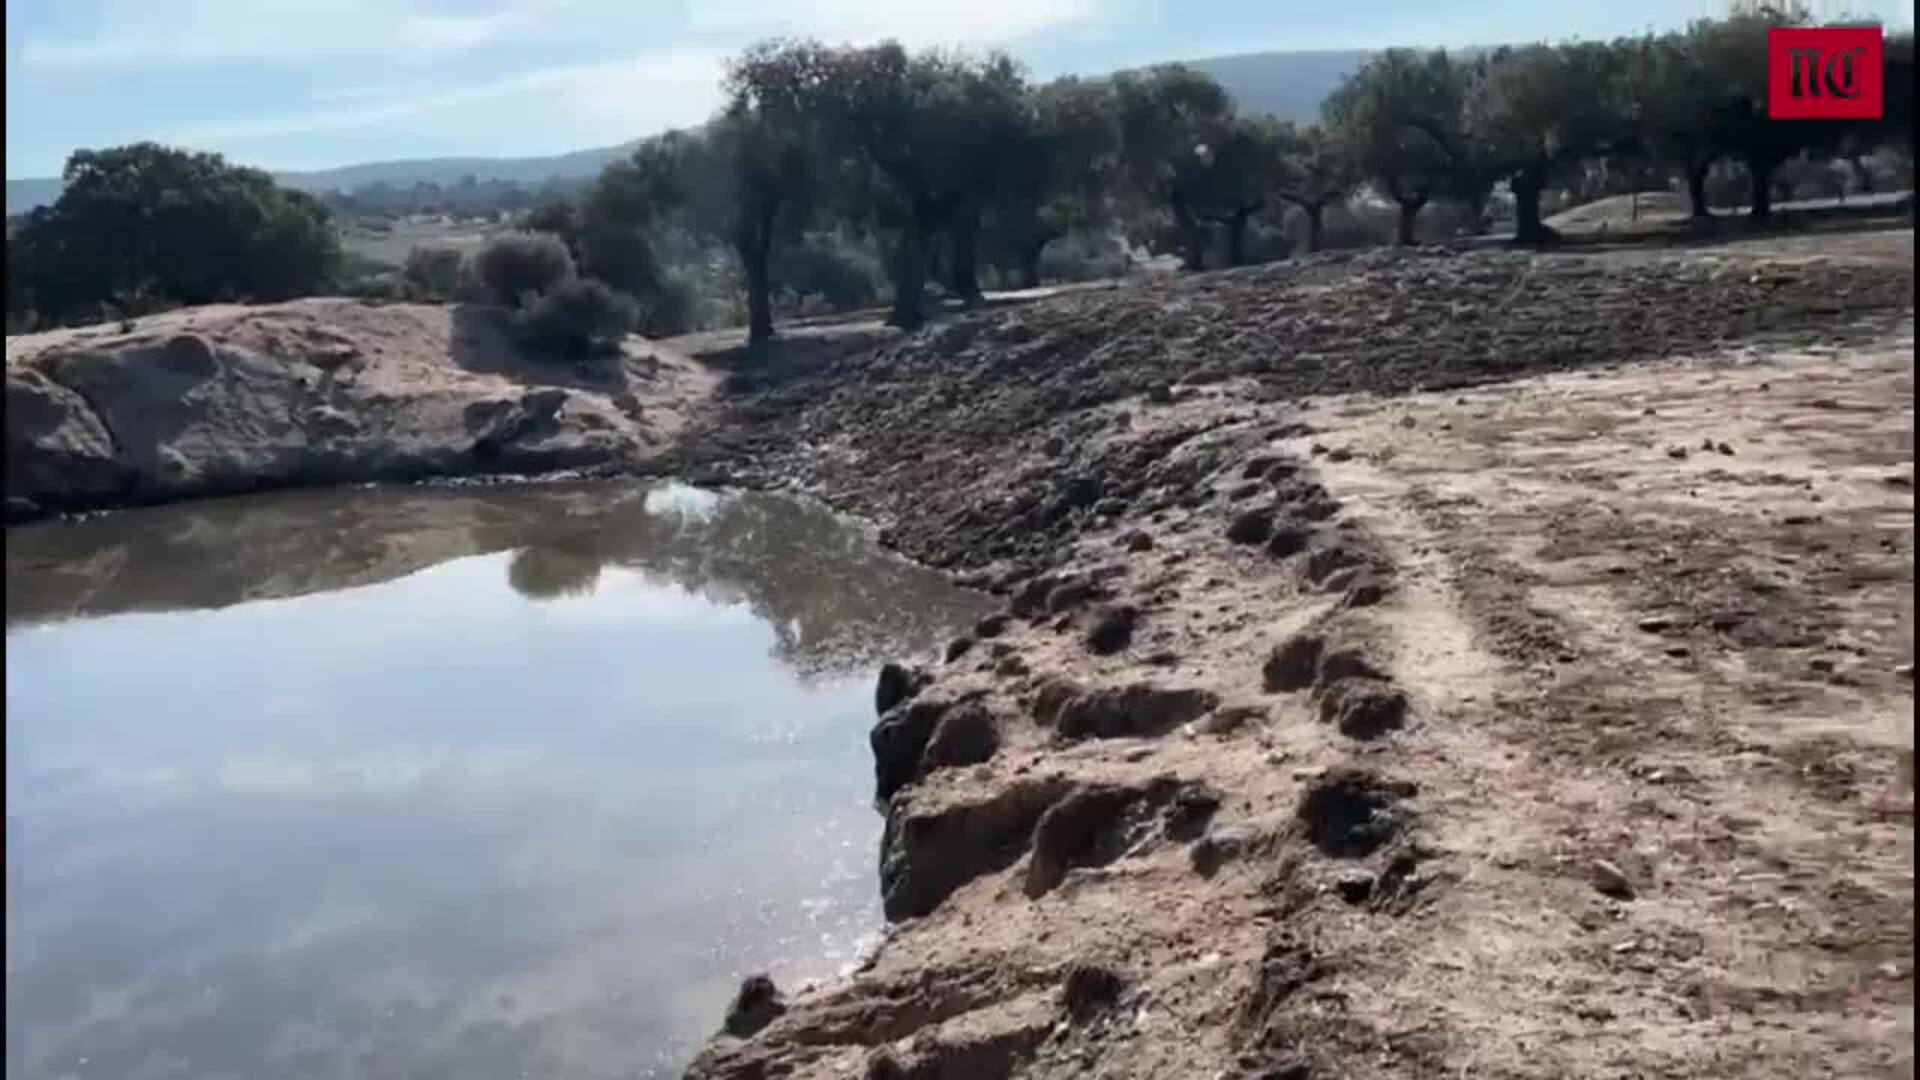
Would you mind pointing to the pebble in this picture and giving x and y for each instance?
(1610, 880)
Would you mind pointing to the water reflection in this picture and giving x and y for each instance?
(435, 783)
(833, 598)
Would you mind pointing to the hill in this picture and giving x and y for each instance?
(1285, 84)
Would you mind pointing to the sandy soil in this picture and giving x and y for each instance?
(1551, 721)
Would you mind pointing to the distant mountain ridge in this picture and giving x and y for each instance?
(1289, 85)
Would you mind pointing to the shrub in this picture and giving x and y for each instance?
(434, 269)
(671, 306)
(578, 318)
(515, 265)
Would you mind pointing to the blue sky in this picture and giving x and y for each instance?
(299, 84)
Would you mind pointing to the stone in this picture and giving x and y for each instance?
(899, 740)
(1293, 663)
(1251, 526)
(1610, 880)
(965, 735)
(1139, 709)
(1288, 540)
(957, 648)
(757, 1004)
(1113, 629)
(897, 683)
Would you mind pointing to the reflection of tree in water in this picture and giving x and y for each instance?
(834, 599)
(543, 573)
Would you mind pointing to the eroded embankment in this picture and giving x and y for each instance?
(1335, 735)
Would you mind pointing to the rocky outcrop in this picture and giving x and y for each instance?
(216, 400)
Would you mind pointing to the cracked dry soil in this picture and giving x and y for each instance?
(1378, 692)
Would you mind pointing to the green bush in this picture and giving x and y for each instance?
(671, 306)
(515, 266)
(434, 270)
(579, 317)
(171, 225)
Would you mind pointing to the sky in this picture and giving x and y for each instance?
(306, 84)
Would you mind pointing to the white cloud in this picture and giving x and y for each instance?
(979, 22)
(639, 93)
(193, 31)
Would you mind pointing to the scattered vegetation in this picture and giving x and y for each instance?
(836, 178)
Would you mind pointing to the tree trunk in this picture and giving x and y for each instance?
(910, 274)
(1760, 188)
(1316, 224)
(1526, 186)
(965, 278)
(1409, 209)
(1697, 189)
(755, 248)
(1193, 235)
(1236, 224)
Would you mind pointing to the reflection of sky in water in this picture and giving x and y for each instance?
(429, 827)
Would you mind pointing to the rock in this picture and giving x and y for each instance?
(1655, 624)
(1366, 590)
(1724, 449)
(899, 740)
(1363, 708)
(1051, 695)
(897, 683)
(965, 735)
(1228, 719)
(1073, 593)
(208, 401)
(928, 852)
(1346, 662)
(1355, 887)
(1140, 709)
(1091, 826)
(1293, 663)
(1288, 540)
(957, 648)
(1322, 562)
(1349, 812)
(1610, 880)
(1137, 541)
(1340, 453)
(1010, 667)
(1222, 844)
(1677, 452)
(1080, 492)
(991, 626)
(1113, 630)
(1243, 491)
(757, 1004)
(1251, 527)
(1090, 989)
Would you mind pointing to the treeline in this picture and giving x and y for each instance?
(836, 176)
(962, 162)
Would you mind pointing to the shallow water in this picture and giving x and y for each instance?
(436, 783)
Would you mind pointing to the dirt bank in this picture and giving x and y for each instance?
(215, 400)
(1413, 665)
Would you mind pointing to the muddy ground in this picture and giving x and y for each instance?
(1413, 665)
